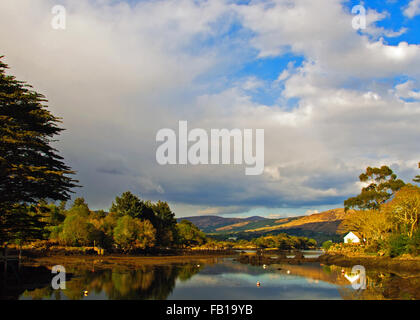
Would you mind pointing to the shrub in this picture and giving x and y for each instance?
(398, 244)
(327, 244)
(414, 244)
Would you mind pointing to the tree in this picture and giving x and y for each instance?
(326, 245)
(129, 204)
(19, 224)
(30, 169)
(79, 208)
(189, 234)
(131, 233)
(76, 230)
(165, 223)
(383, 184)
(404, 210)
(372, 225)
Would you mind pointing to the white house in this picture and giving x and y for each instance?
(352, 237)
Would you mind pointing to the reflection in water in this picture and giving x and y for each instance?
(146, 282)
(228, 279)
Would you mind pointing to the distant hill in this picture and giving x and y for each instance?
(320, 226)
(210, 224)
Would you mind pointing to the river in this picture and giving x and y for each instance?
(207, 278)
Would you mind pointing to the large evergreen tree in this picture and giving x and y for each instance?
(165, 223)
(130, 204)
(30, 168)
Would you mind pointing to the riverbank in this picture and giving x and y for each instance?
(401, 264)
(372, 262)
(118, 261)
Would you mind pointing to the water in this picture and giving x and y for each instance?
(223, 278)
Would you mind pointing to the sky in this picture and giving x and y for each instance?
(332, 99)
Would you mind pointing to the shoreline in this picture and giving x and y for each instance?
(372, 262)
(118, 261)
(132, 260)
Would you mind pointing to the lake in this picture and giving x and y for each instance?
(209, 278)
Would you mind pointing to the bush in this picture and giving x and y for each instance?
(327, 244)
(414, 244)
(398, 245)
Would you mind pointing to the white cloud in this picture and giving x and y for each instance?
(413, 9)
(120, 73)
(309, 212)
(406, 90)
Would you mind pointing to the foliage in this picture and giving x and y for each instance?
(284, 241)
(189, 234)
(76, 230)
(19, 224)
(404, 210)
(398, 244)
(372, 225)
(327, 244)
(165, 223)
(129, 204)
(390, 219)
(383, 184)
(131, 233)
(30, 169)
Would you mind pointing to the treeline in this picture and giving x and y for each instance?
(318, 237)
(284, 241)
(130, 225)
(281, 241)
(387, 214)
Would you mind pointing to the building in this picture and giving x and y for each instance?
(352, 237)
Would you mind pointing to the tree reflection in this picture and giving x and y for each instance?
(143, 283)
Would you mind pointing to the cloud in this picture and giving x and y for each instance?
(406, 90)
(413, 9)
(120, 72)
(309, 212)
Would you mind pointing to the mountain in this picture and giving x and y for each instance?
(321, 226)
(210, 224)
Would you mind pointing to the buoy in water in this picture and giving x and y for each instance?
(258, 283)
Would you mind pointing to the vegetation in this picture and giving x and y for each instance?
(383, 183)
(327, 244)
(189, 234)
(284, 241)
(388, 215)
(30, 169)
(131, 224)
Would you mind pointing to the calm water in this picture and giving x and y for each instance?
(225, 278)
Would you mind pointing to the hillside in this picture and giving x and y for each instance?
(321, 226)
(210, 224)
